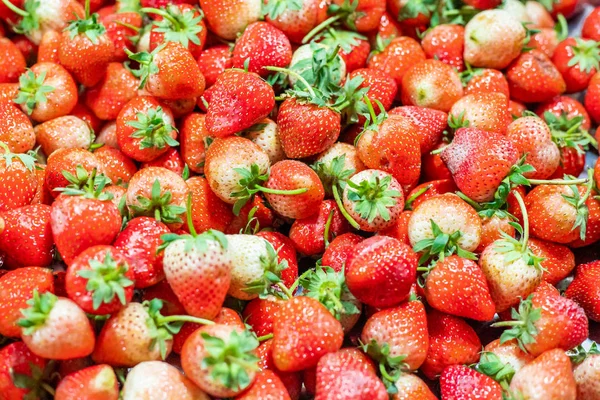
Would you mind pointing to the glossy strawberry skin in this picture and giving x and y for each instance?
(584, 290)
(459, 382)
(17, 358)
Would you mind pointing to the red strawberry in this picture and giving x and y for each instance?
(208, 211)
(17, 361)
(532, 77)
(121, 26)
(339, 248)
(285, 252)
(69, 168)
(63, 132)
(296, 20)
(381, 87)
(584, 291)
(55, 327)
(16, 130)
(354, 48)
(549, 376)
(303, 331)
(592, 98)
(398, 231)
(112, 92)
(26, 237)
(577, 61)
(431, 84)
(486, 80)
(238, 101)
(213, 61)
(411, 387)
(228, 18)
(13, 62)
(115, 164)
(141, 382)
(487, 111)
(451, 342)
(192, 136)
(380, 271)
(96, 382)
(591, 25)
(558, 260)
(260, 314)
(445, 42)
(268, 386)
(398, 57)
(429, 123)
(459, 382)
(18, 181)
(263, 45)
(565, 108)
(291, 380)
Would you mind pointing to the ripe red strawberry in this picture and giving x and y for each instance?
(584, 291)
(398, 231)
(348, 373)
(486, 80)
(471, 152)
(457, 286)
(427, 190)
(69, 167)
(260, 314)
(339, 248)
(181, 23)
(549, 376)
(410, 387)
(196, 264)
(95, 382)
(13, 62)
(18, 181)
(558, 260)
(306, 129)
(26, 237)
(567, 105)
(121, 26)
(591, 25)
(487, 111)
(63, 132)
(17, 361)
(380, 271)
(16, 287)
(192, 135)
(291, 380)
(451, 342)
(296, 20)
(429, 124)
(16, 130)
(493, 38)
(532, 77)
(100, 280)
(227, 19)
(398, 57)
(268, 386)
(169, 72)
(46, 91)
(433, 167)
(112, 92)
(445, 42)
(381, 87)
(592, 97)
(354, 48)
(303, 331)
(263, 45)
(203, 360)
(208, 211)
(56, 328)
(577, 61)
(238, 101)
(213, 61)
(115, 164)
(431, 84)
(459, 382)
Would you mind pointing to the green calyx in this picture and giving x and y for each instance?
(586, 55)
(87, 184)
(147, 66)
(579, 202)
(152, 128)
(347, 12)
(491, 365)
(469, 73)
(439, 247)
(275, 8)
(29, 17)
(522, 327)
(448, 12)
(579, 353)
(124, 6)
(333, 173)
(372, 197)
(412, 9)
(372, 120)
(89, 26)
(37, 382)
(272, 268)
(250, 184)
(177, 26)
(567, 132)
(105, 280)
(28, 159)
(193, 241)
(158, 206)
(32, 90)
(36, 314)
(330, 289)
(354, 96)
(458, 121)
(390, 367)
(163, 328)
(231, 360)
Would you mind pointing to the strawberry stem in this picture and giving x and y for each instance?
(162, 13)
(87, 9)
(558, 181)
(128, 26)
(415, 196)
(320, 27)
(264, 338)
(15, 9)
(295, 75)
(285, 290)
(338, 201)
(525, 236)
(185, 318)
(188, 217)
(327, 227)
(282, 192)
(508, 323)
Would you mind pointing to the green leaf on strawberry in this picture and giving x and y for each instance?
(275, 8)
(272, 268)
(89, 26)
(580, 353)
(146, 63)
(567, 132)
(586, 55)
(26, 159)
(32, 90)
(152, 128)
(177, 26)
(372, 197)
(332, 173)
(522, 327)
(37, 383)
(390, 368)
(579, 202)
(491, 365)
(36, 314)
(158, 206)
(329, 288)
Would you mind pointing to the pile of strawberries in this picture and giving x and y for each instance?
(295, 199)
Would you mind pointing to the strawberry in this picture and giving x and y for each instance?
(121, 26)
(141, 383)
(431, 84)
(459, 382)
(64, 132)
(16, 130)
(549, 376)
(532, 77)
(285, 252)
(411, 387)
(545, 41)
(395, 332)
(446, 43)
(347, 373)
(13, 63)
(567, 108)
(208, 211)
(227, 19)
(457, 286)
(303, 331)
(198, 264)
(100, 280)
(486, 111)
(493, 38)
(253, 216)
(380, 271)
(46, 91)
(220, 359)
(180, 23)
(584, 292)
(213, 61)
(112, 92)
(263, 45)
(265, 135)
(145, 128)
(500, 360)
(157, 192)
(48, 48)
(591, 25)
(268, 386)
(70, 168)
(485, 80)
(21, 372)
(339, 248)
(577, 61)
(295, 19)
(16, 287)
(586, 373)
(55, 327)
(398, 57)
(558, 260)
(354, 48)
(474, 150)
(98, 381)
(260, 314)
(169, 72)
(18, 179)
(291, 380)
(451, 342)
(429, 123)
(539, 15)
(380, 87)
(192, 135)
(115, 164)
(591, 98)
(26, 237)
(139, 242)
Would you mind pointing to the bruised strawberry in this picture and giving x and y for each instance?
(533, 78)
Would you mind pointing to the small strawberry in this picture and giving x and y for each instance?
(265, 135)
(429, 123)
(295, 19)
(558, 260)
(445, 42)
(459, 382)
(500, 360)
(13, 64)
(398, 57)
(485, 80)
(64, 132)
(213, 61)
(112, 92)
(339, 248)
(70, 168)
(96, 382)
(591, 25)
(291, 380)
(121, 27)
(115, 164)
(260, 314)
(487, 111)
(208, 211)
